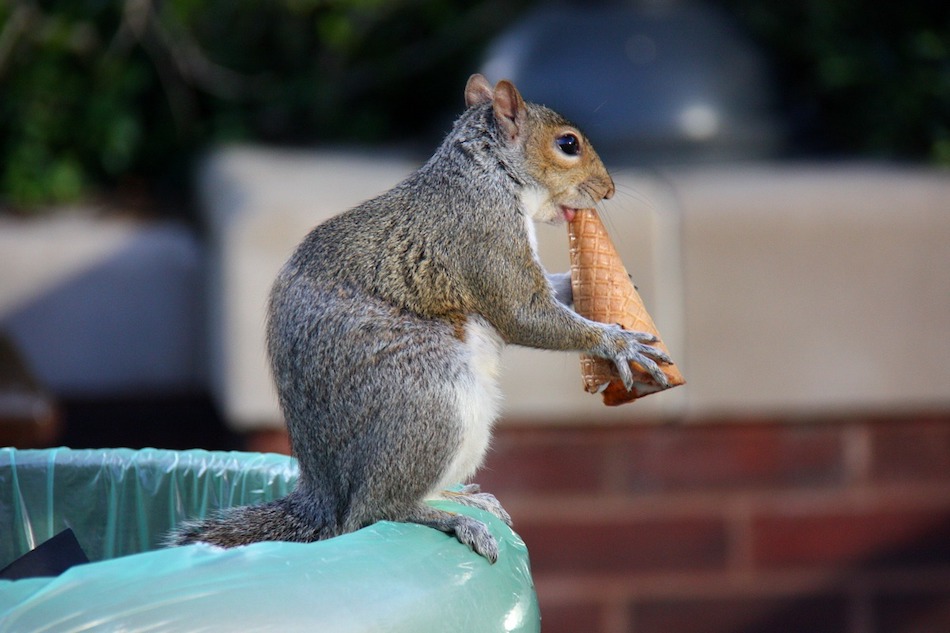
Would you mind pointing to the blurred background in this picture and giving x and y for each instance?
(783, 202)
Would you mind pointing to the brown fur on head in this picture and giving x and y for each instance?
(557, 154)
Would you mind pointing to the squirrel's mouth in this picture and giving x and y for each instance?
(568, 212)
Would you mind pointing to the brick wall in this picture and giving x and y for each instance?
(762, 526)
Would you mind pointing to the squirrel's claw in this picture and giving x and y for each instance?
(655, 372)
(657, 355)
(648, 364)
(626, 375)
(643, 337)
(472, 496)
(467, 530)
(475, 534)
(639, 350)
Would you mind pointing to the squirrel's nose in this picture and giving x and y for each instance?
(610, 189)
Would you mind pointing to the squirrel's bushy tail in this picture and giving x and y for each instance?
(278, 520)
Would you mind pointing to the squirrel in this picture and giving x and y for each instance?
(385, 328)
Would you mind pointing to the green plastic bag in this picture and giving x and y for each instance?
(121, 503)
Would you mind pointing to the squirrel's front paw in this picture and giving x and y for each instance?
(630, 346)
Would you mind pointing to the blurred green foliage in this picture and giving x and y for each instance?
(858, 77)
(102, 93)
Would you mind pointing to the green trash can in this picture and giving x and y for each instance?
(120, 503)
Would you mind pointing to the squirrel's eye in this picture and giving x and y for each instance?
(568, 144)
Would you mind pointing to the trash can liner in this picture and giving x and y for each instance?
(120, 503)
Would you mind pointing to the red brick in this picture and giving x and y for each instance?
(537, 464)
(651, 458)
(570, 617)
(625, 546)
(719, 457)
(814, 614)
(916, 449)
(869, 539)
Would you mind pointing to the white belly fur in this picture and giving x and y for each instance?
(478, 398)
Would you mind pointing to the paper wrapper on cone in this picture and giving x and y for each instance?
(603, 292)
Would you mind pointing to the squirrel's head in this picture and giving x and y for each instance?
(567, 172)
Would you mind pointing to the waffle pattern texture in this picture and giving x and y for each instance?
(603, 292)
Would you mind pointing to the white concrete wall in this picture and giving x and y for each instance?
(778, 288)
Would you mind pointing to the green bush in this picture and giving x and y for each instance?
(106, 93)
(860, 78)
(116, 93)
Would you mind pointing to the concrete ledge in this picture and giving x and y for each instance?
(261, 203)
(811, 288)
(780, 289)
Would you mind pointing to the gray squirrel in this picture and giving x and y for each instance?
(386, 325)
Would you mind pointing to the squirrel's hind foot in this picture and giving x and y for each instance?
(471, 495)
(467, 530)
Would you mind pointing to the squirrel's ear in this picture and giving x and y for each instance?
(509, 109)
(477, 91)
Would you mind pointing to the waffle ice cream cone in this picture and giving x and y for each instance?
(603, 292)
